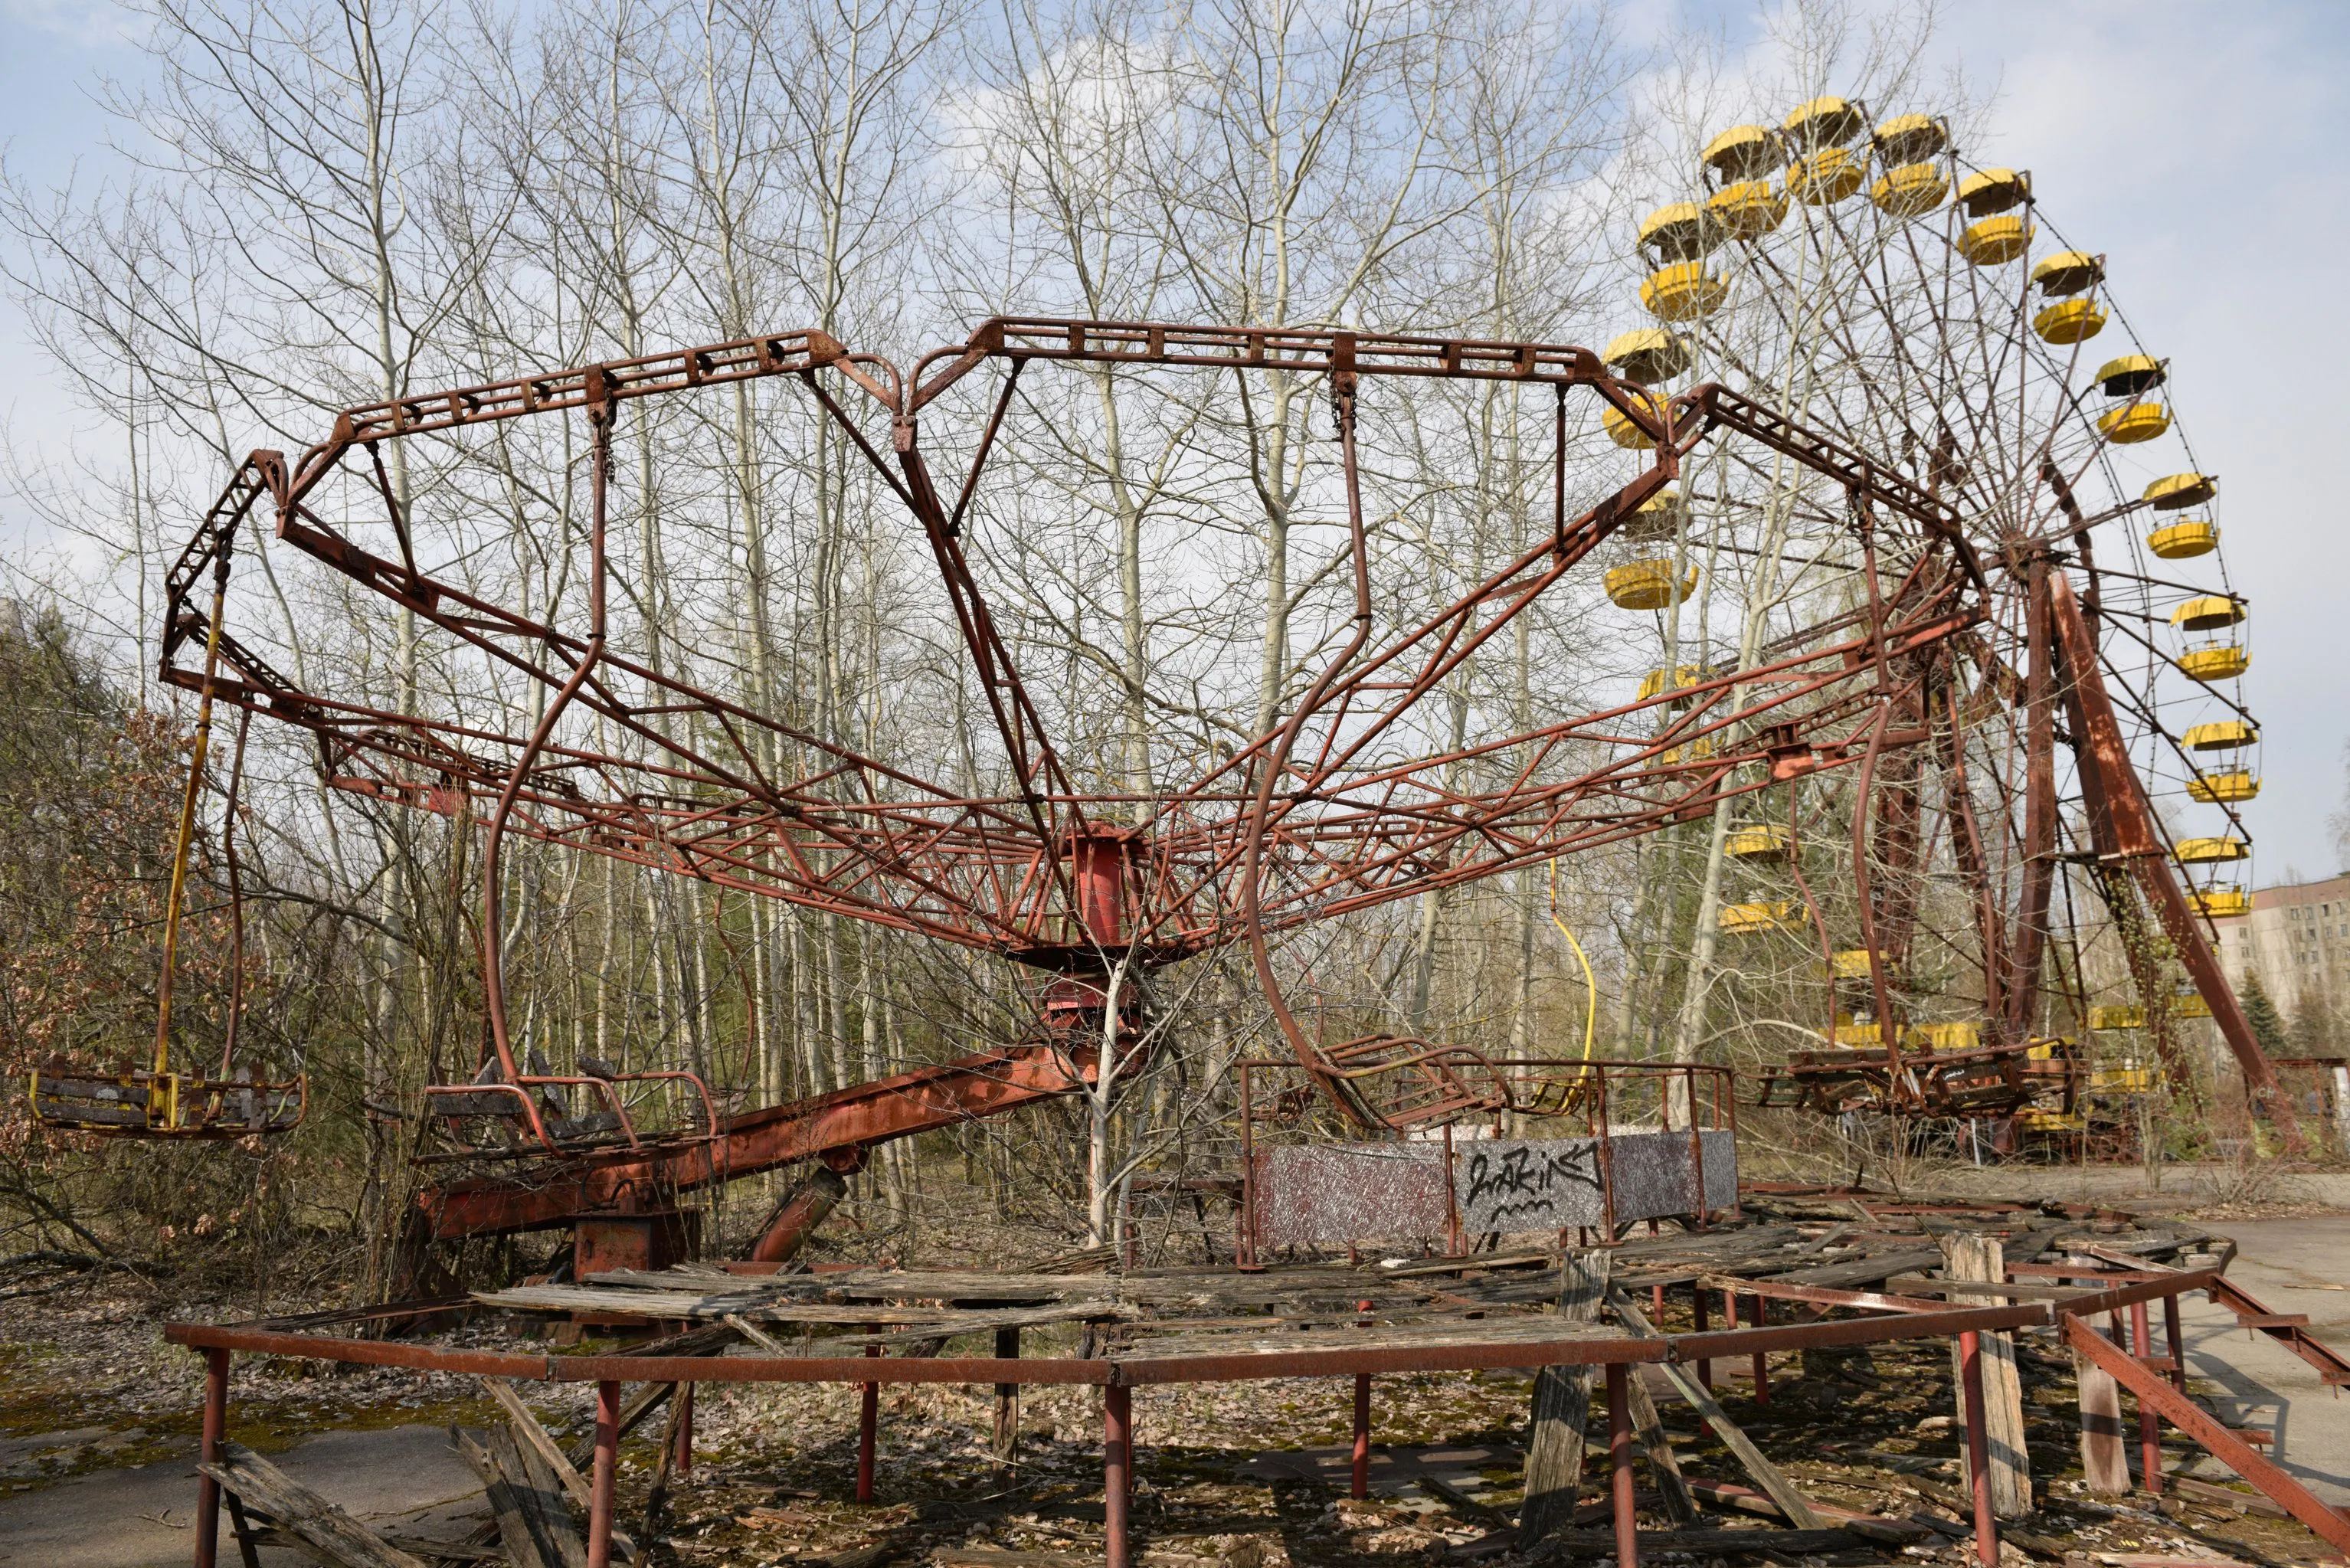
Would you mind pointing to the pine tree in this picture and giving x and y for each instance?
(2312, 1026)
(2268, 1023)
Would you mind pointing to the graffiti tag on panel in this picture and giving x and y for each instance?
(1515, 1186)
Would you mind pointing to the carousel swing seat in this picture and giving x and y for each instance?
(142, 1102)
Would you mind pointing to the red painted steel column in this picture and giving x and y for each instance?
(216, 1426)
(1619, 1463)
(1117, 1466)
(1978, 1457)
(2149, 1427)
(1362, 1482)
(600, 1485)
(1762, 1361)
(869, 1427)
(1656, 1292)
(680, 1459)
(1697, 1325)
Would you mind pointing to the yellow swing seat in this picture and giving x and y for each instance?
(138, 1103)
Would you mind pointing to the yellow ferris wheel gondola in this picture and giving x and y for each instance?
(154, 1101)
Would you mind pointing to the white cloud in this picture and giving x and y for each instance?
(89, 23)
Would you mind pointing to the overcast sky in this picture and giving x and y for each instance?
(2203, 147)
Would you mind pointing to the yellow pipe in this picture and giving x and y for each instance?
(187, 834)
(1590, 987)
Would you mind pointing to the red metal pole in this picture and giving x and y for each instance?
(1244, 1237)
(1762, 1361)
(600, 1485)
(1362, 1485)
(1696, 1146)
(681, 1455)
(1619, 1462)
(1697, 1325)
(869, 1426)
(1453, 1246)
(2149, 1428)
(1725, 1095)
(216, 1426)
(1729, 1310)
(1117, 1464)
(1978, 1457)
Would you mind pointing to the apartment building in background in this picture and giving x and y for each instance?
(2298, 939)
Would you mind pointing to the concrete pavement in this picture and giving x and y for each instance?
(403, 1478)
(2299, 1265)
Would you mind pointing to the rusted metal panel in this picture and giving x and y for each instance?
(1655, 1174)
(1550, 1184)
(1527, 1183)
(1329, 1195)
(1337, 1194)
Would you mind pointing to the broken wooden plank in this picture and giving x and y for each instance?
(247, 1537)
(1745, 1499)
(1461, 1504)
(2105, 1457)
(1852, 1271)
(756, 1334)
(1561, 1409)
(552, 1461)
(528, 1430)
(533, 1517)
(681, 1410)
(643, 1403)
(965, 1323)
(323, 1527)
(1530, 1331)
(1975, 1257)
(2227, 1497)
(546, 1499)
(1767, 1475)
(702, 1305)
(1714, 1542)
(510, 1524)
(1987, 1295)
(1664, 1466)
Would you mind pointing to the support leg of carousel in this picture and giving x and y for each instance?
(680, 1459)
(2177, 1338)
(2149, 1427)
(1762, 1362)
(869, 1427)
(1697, 1325)
(1361, 1487)
(1117, 1472)
(1977, 1450)
(1620, 1465)
(604, 1476)
(215, 1424)
(1007, 1402)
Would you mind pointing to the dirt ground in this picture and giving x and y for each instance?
(98, 1425)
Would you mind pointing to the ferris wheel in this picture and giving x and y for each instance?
(1853, 269)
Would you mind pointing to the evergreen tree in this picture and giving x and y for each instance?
(2268, 1023)
(2312, 1026)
